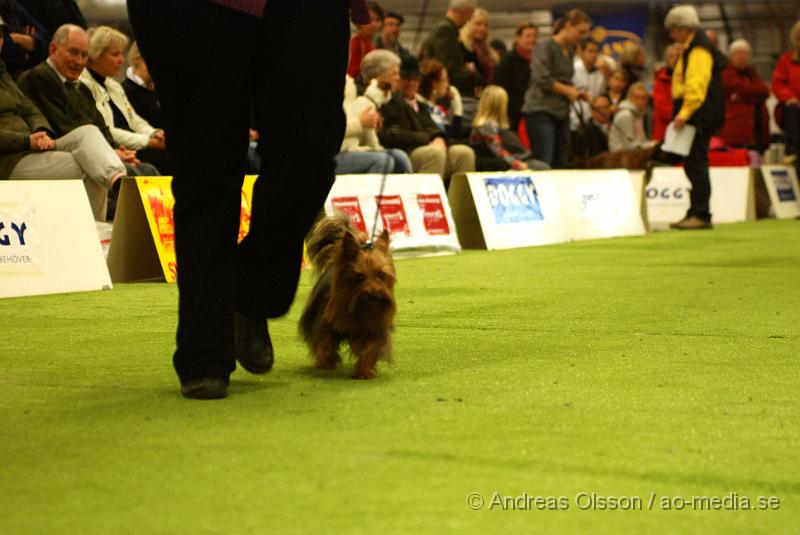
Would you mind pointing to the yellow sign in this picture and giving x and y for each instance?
(158, 203)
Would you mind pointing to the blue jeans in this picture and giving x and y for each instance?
(548, 137)
(391, 161)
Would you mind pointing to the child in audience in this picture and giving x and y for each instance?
(491, 136)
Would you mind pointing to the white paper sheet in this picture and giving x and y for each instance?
(679, 141)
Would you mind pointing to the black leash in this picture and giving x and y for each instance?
(371, 243)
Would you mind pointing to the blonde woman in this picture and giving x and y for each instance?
(474, 39)
(491, 137)
(128, 128)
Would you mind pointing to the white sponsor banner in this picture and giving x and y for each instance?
(522, 209)
(784, 193)
(48, 239)
(598, 204)
(413, 207)
(732, 195)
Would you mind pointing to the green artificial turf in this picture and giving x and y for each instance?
(666, 364)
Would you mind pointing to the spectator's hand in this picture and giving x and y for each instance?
(572, 93)
(157, 141)
(24, 40)
(440, 144)
(41, 142)
(679, 122)
(127, 156)
(369, 118)
(586, 96)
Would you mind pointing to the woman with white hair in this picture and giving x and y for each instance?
(699, 101)
(361, 152)
(129, 130)
(786, 86)
(745, 94)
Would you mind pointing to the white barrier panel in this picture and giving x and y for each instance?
(48, 239)
(732, 195)
(413, 208)
(784, 193)
(522, 209)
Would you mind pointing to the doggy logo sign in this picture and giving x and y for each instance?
(513, 200)
(433, 216)
(393, 214)
(783, 185)
(19, 249)
(351, 207)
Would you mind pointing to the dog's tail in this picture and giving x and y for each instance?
(327, 232)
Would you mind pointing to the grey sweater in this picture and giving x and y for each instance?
(549, 65)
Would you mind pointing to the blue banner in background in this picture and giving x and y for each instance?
(613, 26)
(513, 200)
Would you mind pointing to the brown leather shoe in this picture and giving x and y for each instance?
(692, 223)
(677, 224)
(205, 388)
(253, 344)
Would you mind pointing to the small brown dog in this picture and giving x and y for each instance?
(353, 299)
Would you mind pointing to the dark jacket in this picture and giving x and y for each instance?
(65, 109)
(513, 75)
(443, 44)
(52, 14)
(404, 128)
(19, 118)
(144, 102)
(711, 114)
(17, 18)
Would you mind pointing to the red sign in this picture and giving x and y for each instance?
(433, 214)
(351, 207)
(393, 214)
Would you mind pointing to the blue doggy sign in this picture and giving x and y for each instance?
(513, 200)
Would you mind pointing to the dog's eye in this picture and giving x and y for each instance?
(359, 277)
(381, 275)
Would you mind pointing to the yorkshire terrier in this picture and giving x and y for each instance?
(353, 298)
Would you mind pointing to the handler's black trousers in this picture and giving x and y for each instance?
(213, 68)
(696, 167)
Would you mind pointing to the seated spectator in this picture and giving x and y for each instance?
(361, 151)
(407, 125)
(52, 14)
(514, 71)
(389, 36)
(442, 100)
(745, 95)
(443, 45)
(588, 74)
(627, 130)
(617, 86)
(106, 46)
(591, 136)
(25, 39)
(474, 40)
(55, 89)
(786, 86)
(491, 137)
(140, 89)
(662, 92)
(363, 42)
(29, 150)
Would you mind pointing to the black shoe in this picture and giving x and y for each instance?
(205, 388)
(692, 223)
(253, 344)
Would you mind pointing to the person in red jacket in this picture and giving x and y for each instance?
(786, 86)
(745, 94)
(662, 92)
(363, 42)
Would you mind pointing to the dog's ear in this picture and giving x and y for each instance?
(383, 240)
(350, 248)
